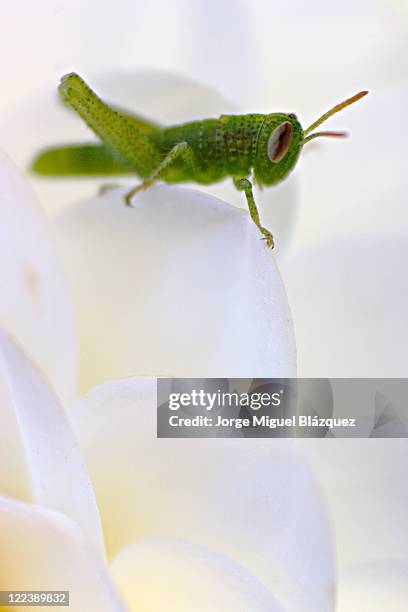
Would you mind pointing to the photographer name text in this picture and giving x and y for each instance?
(263, 421)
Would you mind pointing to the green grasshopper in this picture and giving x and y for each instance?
(205, 151)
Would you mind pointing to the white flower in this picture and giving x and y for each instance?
(187, 523)
(212, 524)
(40, 460)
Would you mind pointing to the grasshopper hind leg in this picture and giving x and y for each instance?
(128, 136)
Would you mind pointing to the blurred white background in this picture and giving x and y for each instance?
(263, 53)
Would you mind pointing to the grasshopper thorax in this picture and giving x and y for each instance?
(278, 147)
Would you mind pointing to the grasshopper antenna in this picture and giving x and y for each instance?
(330, 113)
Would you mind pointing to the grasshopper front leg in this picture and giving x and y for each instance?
(180, 150)
(243, 184)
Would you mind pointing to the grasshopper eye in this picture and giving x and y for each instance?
(279, 141)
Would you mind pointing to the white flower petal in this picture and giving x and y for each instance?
(254, 501)
(374, 587)
(35, 303)
(365, 483)
(169, 575)
(181, 284)
(44, 550)
(349, 299)
(14, 477)
(349, 296)
(54, 466)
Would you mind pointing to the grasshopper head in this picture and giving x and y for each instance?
(281, 139)
(278, 147)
